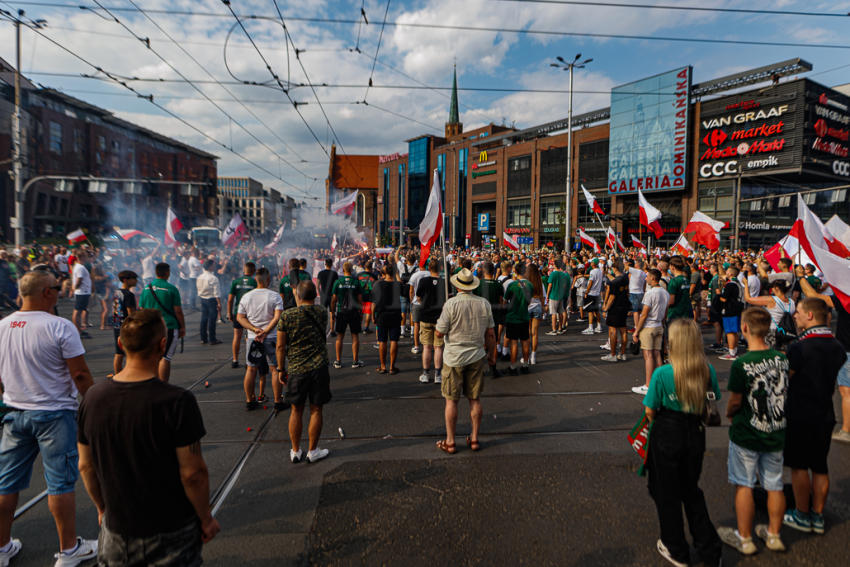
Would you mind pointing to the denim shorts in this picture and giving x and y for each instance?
(844, 373)
(745, 466)
(732, 325)
(636, 299)
(25, 434)
(405, 305)
(535, 311)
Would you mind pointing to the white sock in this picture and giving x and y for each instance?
(72, 550)
(7, 547)
(733, 351)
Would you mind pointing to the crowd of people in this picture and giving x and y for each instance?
(473, 315)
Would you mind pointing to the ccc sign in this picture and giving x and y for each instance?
(718, 169)
(482, 157)
(841, 168)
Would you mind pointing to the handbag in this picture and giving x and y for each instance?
(710, 414)
(634, 347)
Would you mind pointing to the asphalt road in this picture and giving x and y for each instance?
(555, 482)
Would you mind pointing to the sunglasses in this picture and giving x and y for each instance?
(56, 287)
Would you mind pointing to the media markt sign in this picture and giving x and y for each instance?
(649, 133)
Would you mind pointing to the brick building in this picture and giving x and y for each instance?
(348, 173)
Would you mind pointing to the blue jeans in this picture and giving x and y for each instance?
(209, 316)
(28, 432)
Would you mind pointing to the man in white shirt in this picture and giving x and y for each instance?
(259, 312)
(637, 286)
(61, 260)
(81, 285)
(209, 291)
(415, 308)
(195, 270)
(183, 277)
(42, 369)
(149, 267)
(650, 326)
(592, 299)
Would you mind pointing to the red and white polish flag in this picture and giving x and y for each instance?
(637, 243)
(235, 231)
(839, 229)
(591, 202)
(706, 230)
(682, 246)
(510, 241)
(172, 227)
(432, 224)
(613, 241)
(345, 206)
(588, 240)
(77, 236)
(836, 270)
(649, 216)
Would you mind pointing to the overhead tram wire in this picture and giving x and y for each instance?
(275, 76)
(388, 111)
(377, 49)
(149, 98)
(229, 92)
(522, 31)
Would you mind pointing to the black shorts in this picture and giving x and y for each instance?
(236, 324)
(617, 318)
(591, 303)
(81, 302)
(714, 316)
(118, 350)
(348, 319)
(807, 446)
(392, 333)
(516, 331)
(315, 385)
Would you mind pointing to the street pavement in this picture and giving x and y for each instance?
(554, 484)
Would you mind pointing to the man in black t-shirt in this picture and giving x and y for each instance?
(123, 304)
(617, 306)
(431, 293)
(814, 362)
(326, 279)
(139, 442)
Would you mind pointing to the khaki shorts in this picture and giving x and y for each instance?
(467, 380)
(428, 336)
(650, 338)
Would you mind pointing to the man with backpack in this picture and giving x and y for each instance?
(345, 302)
(290, 281)
(431, 293)
(164, 297)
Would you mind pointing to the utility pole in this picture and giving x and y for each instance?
(17, 166)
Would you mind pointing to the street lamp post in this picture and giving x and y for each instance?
(569, 66)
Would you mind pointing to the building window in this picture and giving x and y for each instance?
(116, 145)
(519, 213)
(551, 211)
(101, 143)
(838, 196)
(586, 214)
(55, 137)
(593, 164)
(810, 198)
(717, 200)
(519, 176)
(78, 141)
(784, 201)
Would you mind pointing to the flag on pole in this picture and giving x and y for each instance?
(637, 243)
(345, 206)
(649, 216)
(788, 247)
(613, 241)
(836, 270)
(588, 240)
(77, 236)
(682, 246)
(333, 243)
(832, 243)
(706, 230)
(235, 231)
(432, 224)
(839, 229)
(275, 241)
(128, 233)
(591, 202)
(172, 227)
(510, 241)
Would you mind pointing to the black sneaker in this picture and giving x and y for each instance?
(281, 406)
(524, 369)
(494, 372)
(234, 364)
(506, 357)
(215, 342)
(250, 406)
(513, 371)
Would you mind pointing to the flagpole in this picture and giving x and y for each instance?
(445, 258)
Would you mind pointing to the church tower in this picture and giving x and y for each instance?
(454, 126)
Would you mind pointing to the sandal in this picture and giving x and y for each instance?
(382, 370)
(262, 398)
(473, 445)
(445, 447)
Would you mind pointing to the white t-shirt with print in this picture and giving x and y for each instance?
(34, 346)
(81, 273)
(61, 262)
(259, 305)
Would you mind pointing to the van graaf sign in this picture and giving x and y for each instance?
(649, 133)
(745, 135)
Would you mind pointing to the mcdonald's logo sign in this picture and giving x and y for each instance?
(482, 157)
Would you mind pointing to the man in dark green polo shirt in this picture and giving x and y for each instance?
(165, 298)
(238, 288)
(679, 290)
(290, 281)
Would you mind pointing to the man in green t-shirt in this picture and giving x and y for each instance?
(679, 290)
(295, 276)
(758, 383)
(518, 296)
(346, 301)
(238, 288)
(493, 292)
(165, 298)
(556, 295)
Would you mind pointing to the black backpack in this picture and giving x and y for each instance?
(405, 280)
(786, 328)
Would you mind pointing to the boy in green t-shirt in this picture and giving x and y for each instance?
(679, 290)
(758, 383)
(518, 296)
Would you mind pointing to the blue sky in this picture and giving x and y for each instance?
(484, 59)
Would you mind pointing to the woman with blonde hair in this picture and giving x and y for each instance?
(535, 308)
(675, 404)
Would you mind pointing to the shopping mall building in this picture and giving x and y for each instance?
(740, 158)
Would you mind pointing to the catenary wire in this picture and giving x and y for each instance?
(682, 8)
(377, 49)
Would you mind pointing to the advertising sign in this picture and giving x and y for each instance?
(484, 222)
(826, 141)
(648, 148)
(750, 132)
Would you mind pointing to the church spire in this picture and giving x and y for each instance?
(453, 126)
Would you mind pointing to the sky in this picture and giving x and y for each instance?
(286, 145)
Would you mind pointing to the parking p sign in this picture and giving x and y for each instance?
(484, 222)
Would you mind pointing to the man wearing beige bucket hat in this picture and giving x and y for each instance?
(466, 324)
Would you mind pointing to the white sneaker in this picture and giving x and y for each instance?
(621, 357)
(86, 549)
(522, 361)
(14, 548)
(533, 359)
(665, 553)
(552, 333)
(295, 457)
(438, 378)
(606, 346)
(316, 455)
(642, 390)
(416, 350)
(609, 358)
(597, 330)
(588, 331)
(424, 378)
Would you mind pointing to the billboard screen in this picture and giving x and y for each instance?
(649, 133)
(826, 143)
